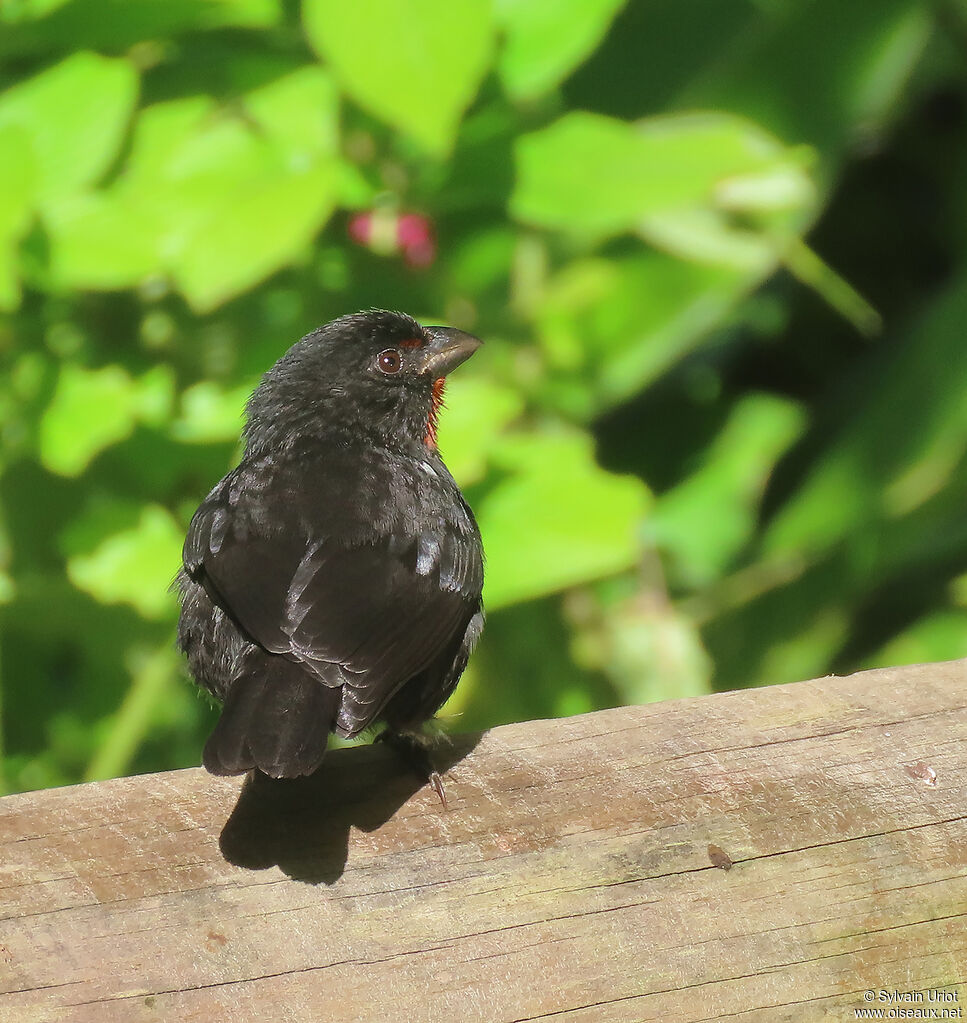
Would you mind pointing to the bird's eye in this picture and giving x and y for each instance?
(389, 361)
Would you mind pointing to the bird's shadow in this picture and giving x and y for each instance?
(302, 825)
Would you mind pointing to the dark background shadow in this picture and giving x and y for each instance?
(302, 825)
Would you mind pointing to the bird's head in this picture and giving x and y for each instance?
(375, 375)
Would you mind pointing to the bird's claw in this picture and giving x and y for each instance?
(417, 759)
(437, 782)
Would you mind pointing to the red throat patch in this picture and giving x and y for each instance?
(436, 403)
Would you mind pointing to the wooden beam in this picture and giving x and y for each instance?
(772, 854)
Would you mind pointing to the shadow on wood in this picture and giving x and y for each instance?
(302, 825)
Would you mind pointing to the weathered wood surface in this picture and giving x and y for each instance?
(579, 874)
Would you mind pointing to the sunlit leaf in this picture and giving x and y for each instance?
(543, 41)
(736, 467)
(102, 240)
(135, 566)
(936, 637)
(647, 647)
(810, 646)
(24, 10)
(207, 198)
(75, 114)
(612, 326)
(17, 187)
(93, 409)
(114, 25)
(476, 411)
(589, 174)
(300, 111)
(210, 413)
(705, 237)
(251, 233)
(557, 519)
(154, 677)
(555, 682)
(238, 204)
(160, 133)
(102, 516)
(416, 65)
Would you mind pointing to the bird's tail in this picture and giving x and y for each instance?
(276, 718)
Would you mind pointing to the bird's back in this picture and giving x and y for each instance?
(336, 583)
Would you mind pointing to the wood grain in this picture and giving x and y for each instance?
(762, 855)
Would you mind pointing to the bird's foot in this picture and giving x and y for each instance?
(412, 750)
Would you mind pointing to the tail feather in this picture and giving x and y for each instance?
(276, 718)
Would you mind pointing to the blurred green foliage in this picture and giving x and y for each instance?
(718, 251)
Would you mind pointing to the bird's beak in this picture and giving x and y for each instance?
(446, 349)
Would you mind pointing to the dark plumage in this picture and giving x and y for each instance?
(333, 579)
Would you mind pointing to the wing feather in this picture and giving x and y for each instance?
(365, 602)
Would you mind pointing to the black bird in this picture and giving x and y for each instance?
(333, 579)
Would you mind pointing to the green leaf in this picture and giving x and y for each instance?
(207, 197)
(646, 646)
(704, 236)
(210, 414)
(116, 25)
(24, 10)
(544, 42)
(135, 566)
(75, 114)
(17, 184)
(160, 133)
(416, 65)
(118, 237)
(590, 173)
(154, 684)
(93, 409)
(489, 695)
(477, 410)
(102, 515)
(250, 234)
(731, 480)
(557, 520)
(936, 637)
(809, 649)
(102, 240)
(17, 180)
(608, 327)
(677, 179)
(300, 111)
(89, 411)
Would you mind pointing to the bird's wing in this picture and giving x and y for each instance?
(244, 547)
(364, 600)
